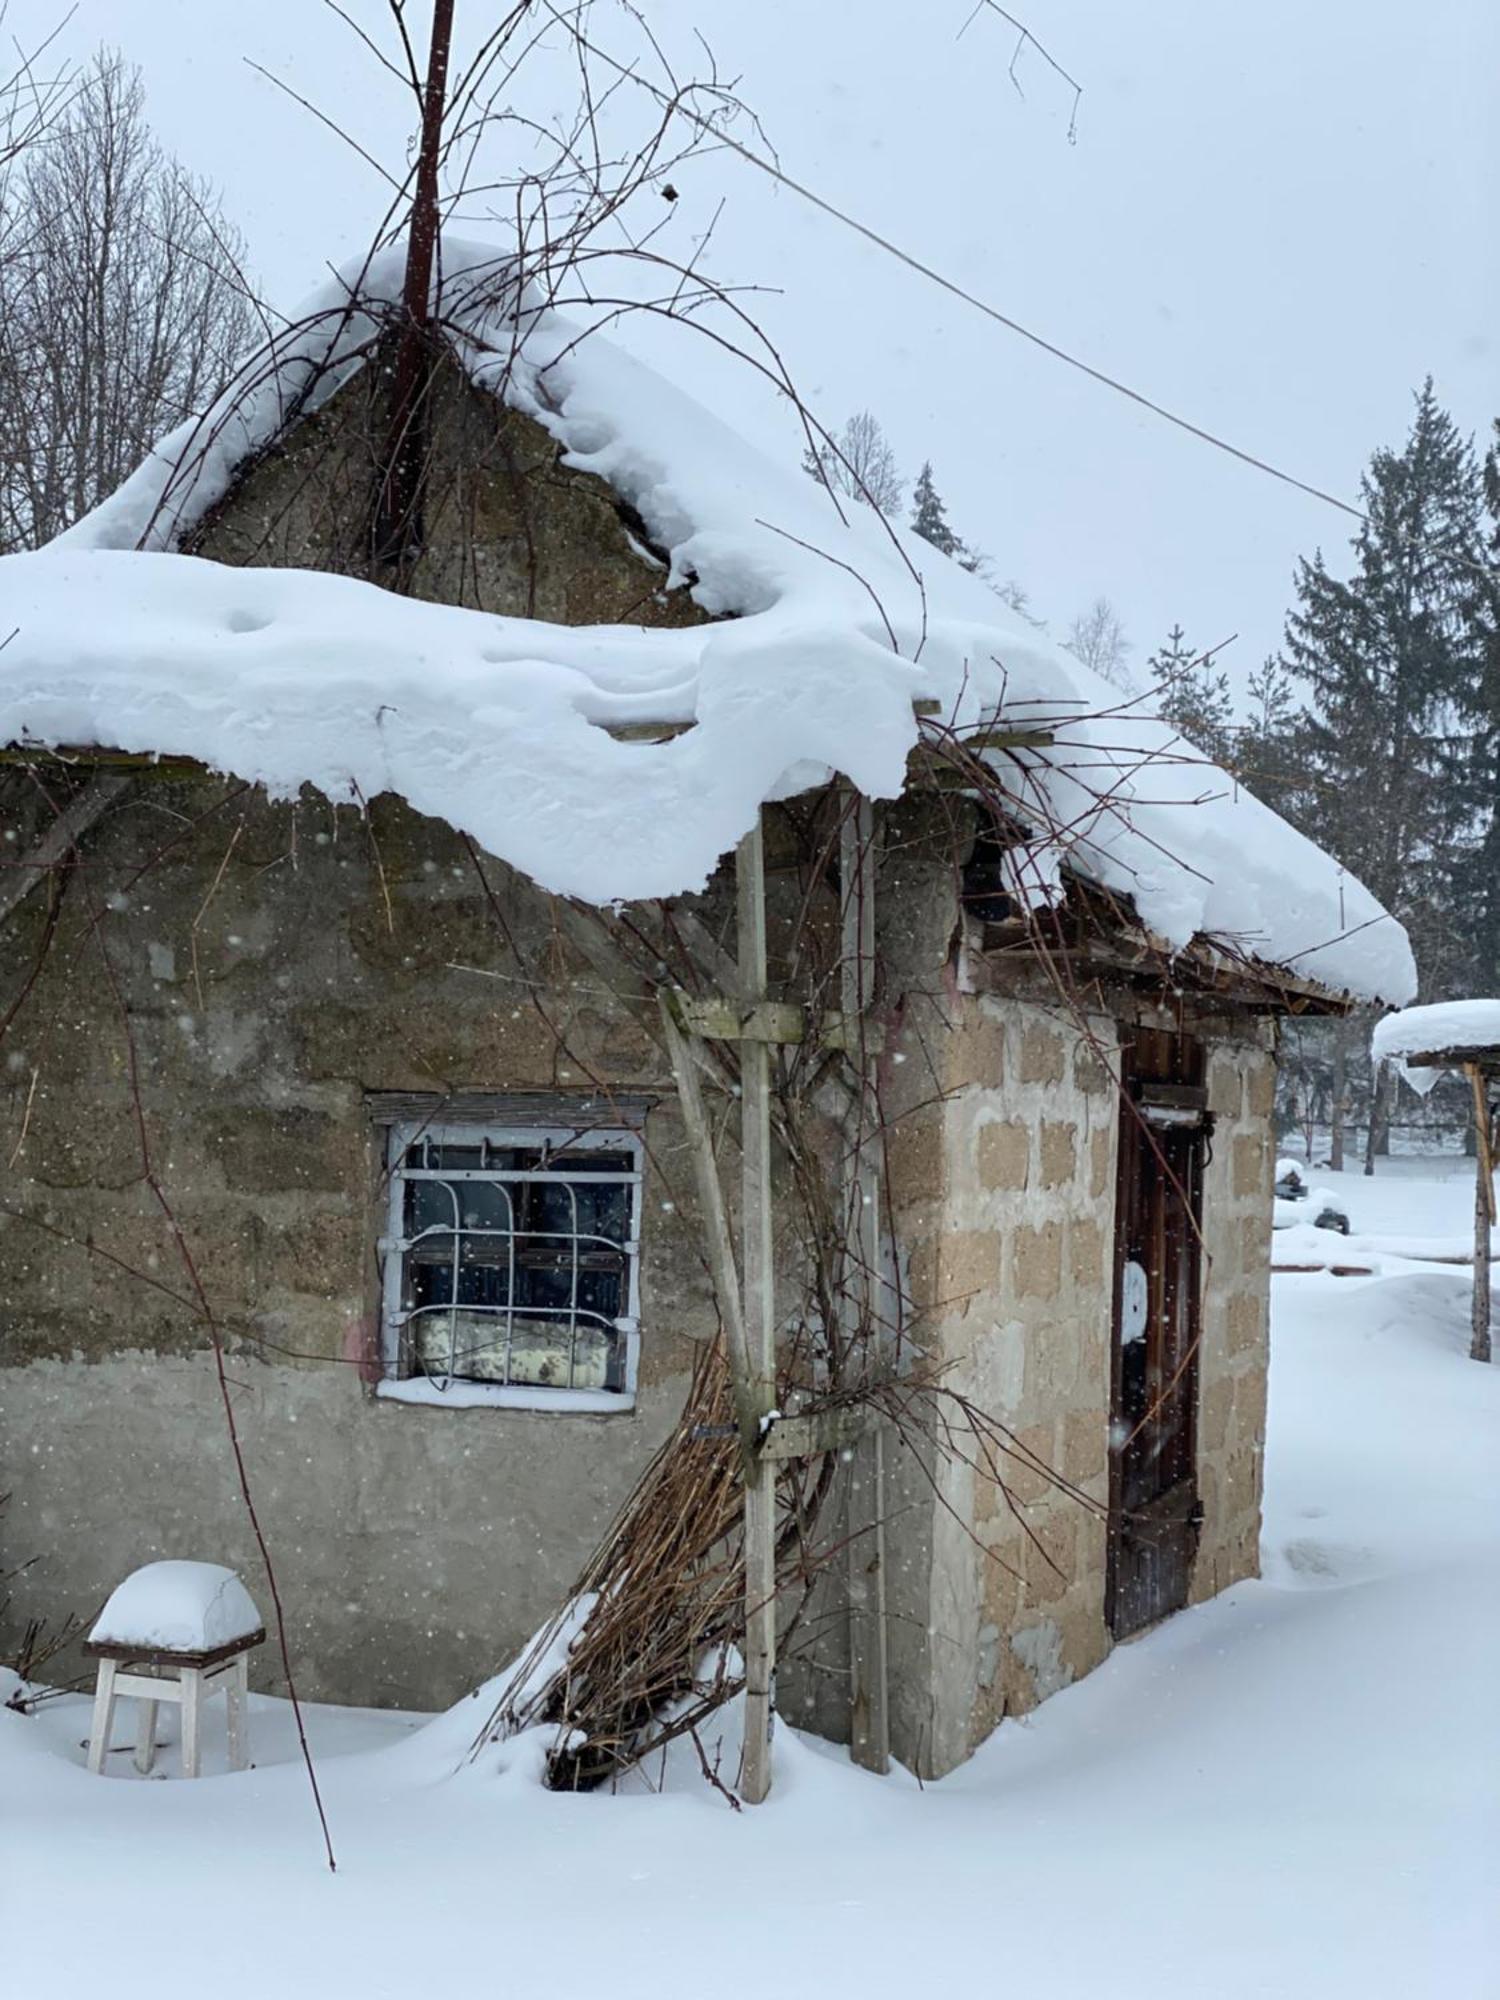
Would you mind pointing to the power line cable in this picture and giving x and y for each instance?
(676, 105)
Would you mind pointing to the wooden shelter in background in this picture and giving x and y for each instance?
(1481, 1065)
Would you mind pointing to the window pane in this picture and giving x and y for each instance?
(429, 1205)
(604, 1211)
(574, 1160)
(483, 1204)
(517, 1280)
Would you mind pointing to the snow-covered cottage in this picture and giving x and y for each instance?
(335, 927)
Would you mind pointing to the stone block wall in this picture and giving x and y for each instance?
(1010, 1276)
(1237, 1208)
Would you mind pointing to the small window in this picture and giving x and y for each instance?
(512, 1265)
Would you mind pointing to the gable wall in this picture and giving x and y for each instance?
(508, 527)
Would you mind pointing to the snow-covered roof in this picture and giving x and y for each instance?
(1444, 1028)
(288, 677)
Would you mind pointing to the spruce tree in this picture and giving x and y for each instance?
(1386, 658)
(1193, 695)
(1476, 875)
(929, 517)
(1268, 749)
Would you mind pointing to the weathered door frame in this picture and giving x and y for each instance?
(1154, 1506)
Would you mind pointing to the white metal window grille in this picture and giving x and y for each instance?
(513, 1259)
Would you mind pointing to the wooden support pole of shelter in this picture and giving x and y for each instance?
(1484, 1214)
(869, 1723)
(756, 1261)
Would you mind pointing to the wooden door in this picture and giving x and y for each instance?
(1154, 1506)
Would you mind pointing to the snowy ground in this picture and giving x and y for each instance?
(1293, 1791)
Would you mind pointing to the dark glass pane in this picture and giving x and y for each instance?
(483, 1205)
(599, 1292)
(482, 1284)
(604, 1211)
(430, 1284)
(552, 1209)
(573, 1161)
(545, 1289)
(429, 1205)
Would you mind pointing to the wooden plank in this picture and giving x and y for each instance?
(773, 1021)
(164, 1656)
(59, 839)
(818, 1431)
(869, 1708)
(719, 1020)
(760, 1321)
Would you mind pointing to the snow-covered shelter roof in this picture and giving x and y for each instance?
(840, 633)
(1445, 1031)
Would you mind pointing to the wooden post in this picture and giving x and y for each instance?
(1484, 1214)
(760, 1323)
(869, 1726)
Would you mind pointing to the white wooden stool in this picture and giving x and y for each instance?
(174, 1632)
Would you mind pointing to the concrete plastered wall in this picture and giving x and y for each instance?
(416, 1546)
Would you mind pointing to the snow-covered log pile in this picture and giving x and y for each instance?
(501, 726)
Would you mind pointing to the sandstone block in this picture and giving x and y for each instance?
(1225, 1088)
(1088, 1252)
(915, 1155)
(975, 1052)
(1004, 1154)
(1090, 1074)
(1245, 1323)
(1036, 1255)
(1059, 1153)
(1043, 1055)
(1252, 1164)
(1260, 1088)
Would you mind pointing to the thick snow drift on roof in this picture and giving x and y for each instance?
(287, 678)
(178, 1607)
(1431, 1031)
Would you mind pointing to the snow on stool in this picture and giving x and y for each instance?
(184, 1629)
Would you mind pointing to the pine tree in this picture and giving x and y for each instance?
(1193, 695)
(929, 517)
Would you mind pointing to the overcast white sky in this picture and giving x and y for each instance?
(1274, 219)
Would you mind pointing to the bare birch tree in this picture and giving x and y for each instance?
(122, 304)
(1097, 637)
(860, 465)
